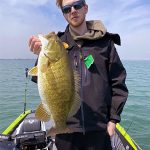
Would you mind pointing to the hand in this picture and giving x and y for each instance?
(35, 45)
(111, 128)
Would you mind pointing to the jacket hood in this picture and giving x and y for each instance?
(96, 30)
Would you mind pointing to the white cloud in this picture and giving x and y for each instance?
(27, 2)
(128, 18)
(21, 19)
(121, 15)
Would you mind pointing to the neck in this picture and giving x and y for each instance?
(80, 30)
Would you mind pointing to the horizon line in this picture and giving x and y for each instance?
(36, 58)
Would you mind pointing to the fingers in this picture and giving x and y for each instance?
(111, 128)
(35, 45)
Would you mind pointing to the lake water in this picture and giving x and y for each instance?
(135, 116)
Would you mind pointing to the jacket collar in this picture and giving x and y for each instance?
(66, 37)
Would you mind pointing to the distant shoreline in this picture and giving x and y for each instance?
(35, 59)
(17, 58)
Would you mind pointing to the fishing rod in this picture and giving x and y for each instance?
(129, 126)
(25, 95)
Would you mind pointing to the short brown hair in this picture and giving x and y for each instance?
(59, 3)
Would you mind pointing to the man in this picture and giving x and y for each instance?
(103, 91)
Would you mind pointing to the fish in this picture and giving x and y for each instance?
(58, 84)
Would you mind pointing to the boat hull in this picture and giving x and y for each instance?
(27, 131)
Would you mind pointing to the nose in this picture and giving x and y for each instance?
(73, 9)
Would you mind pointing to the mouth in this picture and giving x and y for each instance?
(74, 17)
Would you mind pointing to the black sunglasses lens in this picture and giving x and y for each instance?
(77, 5)
(66, 9)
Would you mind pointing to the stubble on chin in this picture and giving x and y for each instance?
(77, 23)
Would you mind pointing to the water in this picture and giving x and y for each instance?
(135, 116)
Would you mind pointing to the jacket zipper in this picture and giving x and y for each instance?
(81, 90)
(76, 64)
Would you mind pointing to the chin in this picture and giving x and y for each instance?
(76, 24)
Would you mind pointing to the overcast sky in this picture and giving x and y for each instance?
(19, 19)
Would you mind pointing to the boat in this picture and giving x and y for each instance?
(28, 133)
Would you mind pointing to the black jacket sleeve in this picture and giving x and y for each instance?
(117, 76)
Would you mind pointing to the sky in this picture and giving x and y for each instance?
(20, 19)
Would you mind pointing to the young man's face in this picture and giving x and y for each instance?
(76, 15)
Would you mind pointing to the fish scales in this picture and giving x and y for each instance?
(57, 84)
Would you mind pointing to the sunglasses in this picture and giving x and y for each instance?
(76, 5)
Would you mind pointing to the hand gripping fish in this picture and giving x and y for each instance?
(58, 84)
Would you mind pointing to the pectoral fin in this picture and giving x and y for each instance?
(42, 114)
(33, 71)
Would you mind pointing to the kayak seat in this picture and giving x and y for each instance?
(29, 125)
(30, 134)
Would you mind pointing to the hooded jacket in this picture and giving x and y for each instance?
(103, 90)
